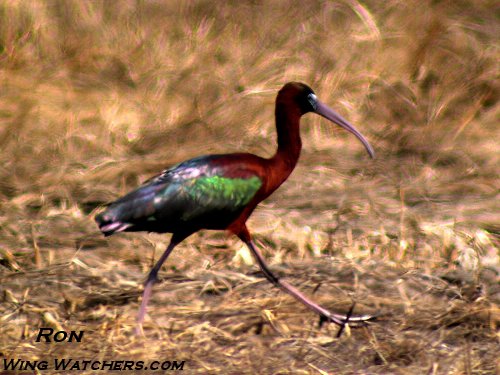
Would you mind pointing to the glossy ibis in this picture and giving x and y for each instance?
(221, 192)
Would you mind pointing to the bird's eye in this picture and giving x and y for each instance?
(313, 101)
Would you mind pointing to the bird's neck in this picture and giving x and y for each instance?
(289, 142)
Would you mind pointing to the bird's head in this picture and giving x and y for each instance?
(304, 99)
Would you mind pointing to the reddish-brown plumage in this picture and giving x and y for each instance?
(275, 171)
(145, 208)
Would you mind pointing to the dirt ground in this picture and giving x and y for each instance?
(95, 97)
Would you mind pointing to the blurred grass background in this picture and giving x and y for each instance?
(96, 97)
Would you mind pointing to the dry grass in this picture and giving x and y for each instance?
(97, 96)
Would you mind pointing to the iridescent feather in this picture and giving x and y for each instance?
(196, 194)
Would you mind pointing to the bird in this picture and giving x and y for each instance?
(220, 192)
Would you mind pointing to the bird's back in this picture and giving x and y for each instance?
(207, 192)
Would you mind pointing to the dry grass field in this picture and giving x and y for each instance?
(95, 97)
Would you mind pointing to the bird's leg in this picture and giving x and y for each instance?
(152, 278)
(338, 319)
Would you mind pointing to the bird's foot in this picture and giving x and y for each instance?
(138, 330)
(343, 320)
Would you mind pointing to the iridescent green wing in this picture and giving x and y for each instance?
(207, 191)
(219, 194)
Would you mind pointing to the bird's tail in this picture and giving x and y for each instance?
(109, 222)
(128, 212)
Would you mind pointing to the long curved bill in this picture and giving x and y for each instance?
(328, 113)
